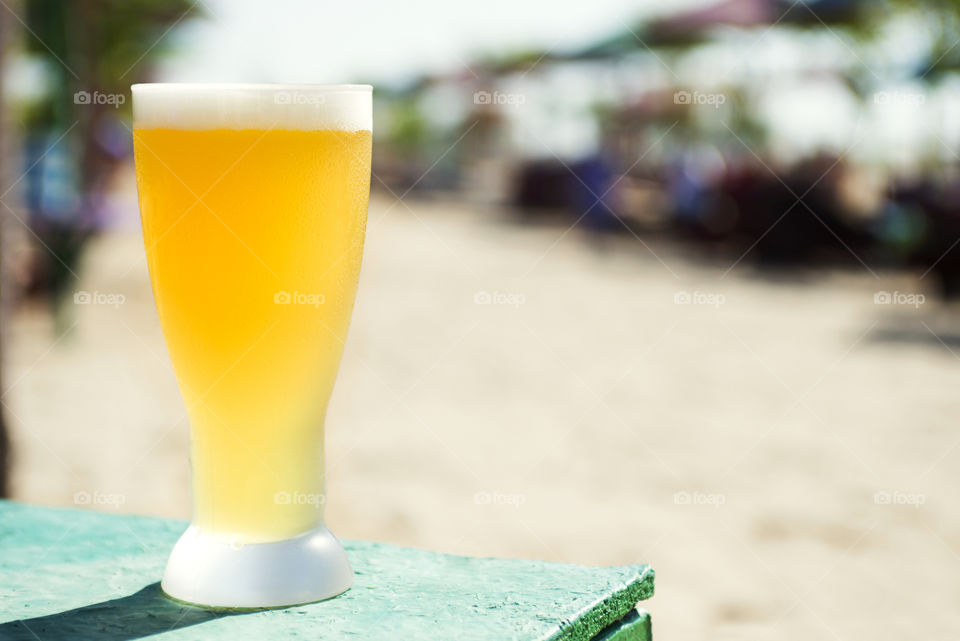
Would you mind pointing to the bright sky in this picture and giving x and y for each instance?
(351, 40)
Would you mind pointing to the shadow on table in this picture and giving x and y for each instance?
(141, 614)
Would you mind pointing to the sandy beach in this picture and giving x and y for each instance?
(783, 451)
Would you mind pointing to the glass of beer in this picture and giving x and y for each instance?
(253, 200)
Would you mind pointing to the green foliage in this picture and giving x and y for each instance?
(87, 46)
(97, 45)
(409, 128)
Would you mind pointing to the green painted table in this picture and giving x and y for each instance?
(71, 574)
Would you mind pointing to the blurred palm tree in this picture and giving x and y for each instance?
(71, 141)
(91, 49)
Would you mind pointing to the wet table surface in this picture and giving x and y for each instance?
(73, 574)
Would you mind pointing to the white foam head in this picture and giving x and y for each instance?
(251, 106)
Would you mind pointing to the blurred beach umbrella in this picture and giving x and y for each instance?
(689, 28)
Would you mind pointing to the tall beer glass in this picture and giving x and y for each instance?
(253, 200)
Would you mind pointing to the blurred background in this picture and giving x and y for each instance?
(656, 284)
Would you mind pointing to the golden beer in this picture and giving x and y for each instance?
(254, 237)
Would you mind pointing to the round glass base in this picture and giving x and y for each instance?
(210, 571)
